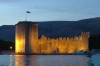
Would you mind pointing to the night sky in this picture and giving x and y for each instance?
(12, 11)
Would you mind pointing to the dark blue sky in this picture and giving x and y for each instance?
(12, 11)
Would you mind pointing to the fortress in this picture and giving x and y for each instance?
(27, 41)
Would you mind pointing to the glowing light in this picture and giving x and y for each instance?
(10, 47)
(20, 45)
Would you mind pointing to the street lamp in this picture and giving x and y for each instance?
(10, 47)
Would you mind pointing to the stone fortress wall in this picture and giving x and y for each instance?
(64, 44)
(27, 41)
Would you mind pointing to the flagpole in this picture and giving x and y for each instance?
(26, 17)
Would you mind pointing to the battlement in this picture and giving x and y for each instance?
(85, 34)
(64, 44)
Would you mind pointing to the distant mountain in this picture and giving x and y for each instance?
(7, 32)
(57, 28)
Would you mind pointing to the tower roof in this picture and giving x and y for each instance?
(27, 22)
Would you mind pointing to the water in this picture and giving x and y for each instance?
(43, 60)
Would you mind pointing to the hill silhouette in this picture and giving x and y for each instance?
(54, 29)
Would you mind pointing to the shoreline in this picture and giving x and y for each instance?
(39, 54)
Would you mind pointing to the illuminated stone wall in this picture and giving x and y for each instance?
(33, 38)
(26, 37)
(27, 41)
(64, 45)
(20, 38)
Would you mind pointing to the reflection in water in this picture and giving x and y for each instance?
(25, 60)
(33, 60)
(42, 60)
(7, 60)
(11, 60)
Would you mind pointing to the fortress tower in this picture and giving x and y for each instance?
(26, 37)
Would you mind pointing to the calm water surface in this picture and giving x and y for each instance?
(43, 60)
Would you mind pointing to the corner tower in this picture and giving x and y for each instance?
(26, 37)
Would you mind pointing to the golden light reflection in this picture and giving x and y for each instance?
(22, 60)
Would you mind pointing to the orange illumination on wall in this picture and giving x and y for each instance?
(20, 47)
(27, 41)
(64, 45)
(20, 39)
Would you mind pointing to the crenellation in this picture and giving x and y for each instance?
(72, 44)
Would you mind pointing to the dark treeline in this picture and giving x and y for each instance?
(94, 42)
(6, 45)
